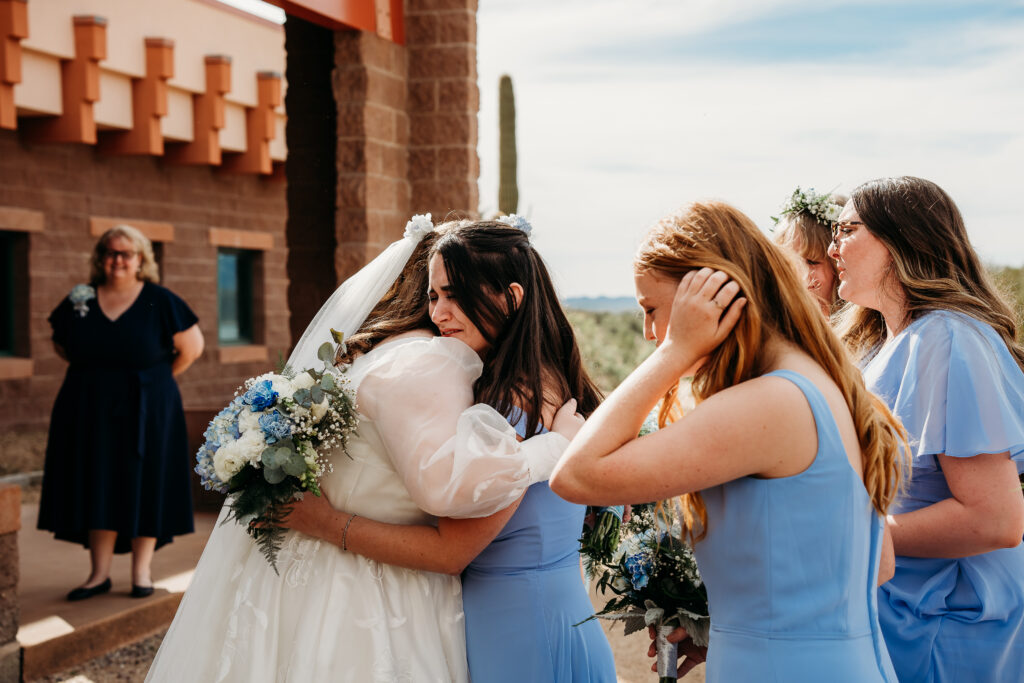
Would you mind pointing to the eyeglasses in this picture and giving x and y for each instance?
(114, 254)
(838, 226)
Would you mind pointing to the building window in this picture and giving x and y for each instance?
(235, 300)
(8, 301)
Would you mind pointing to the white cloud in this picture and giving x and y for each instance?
(606, 148)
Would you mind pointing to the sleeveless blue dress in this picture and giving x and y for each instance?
(791, 567)
(523, 594)
(958, 391)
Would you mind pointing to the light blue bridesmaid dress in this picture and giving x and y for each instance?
(958, 391)
(523, 594)
(791, 568)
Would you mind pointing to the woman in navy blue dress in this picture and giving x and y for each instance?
(116, 477)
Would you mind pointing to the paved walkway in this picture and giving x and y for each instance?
(55, 633)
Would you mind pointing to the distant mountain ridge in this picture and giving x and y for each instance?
(606, 304)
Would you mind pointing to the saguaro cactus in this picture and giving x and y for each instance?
(508, 188)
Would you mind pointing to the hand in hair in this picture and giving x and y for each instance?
(704, 311)
(567, 421)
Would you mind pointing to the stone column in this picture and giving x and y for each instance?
(443, 104)
(10, 523)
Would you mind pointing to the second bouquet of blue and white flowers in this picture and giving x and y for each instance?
(654, 578)
(267, 447)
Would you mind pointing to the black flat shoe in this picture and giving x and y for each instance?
(141, 591)
(81, 593)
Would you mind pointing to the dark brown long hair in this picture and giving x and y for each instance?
(402, 309)
(932, 259)
(531, 347)
(718, 236)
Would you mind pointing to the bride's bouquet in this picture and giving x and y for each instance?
(654, 578)
(264, 449)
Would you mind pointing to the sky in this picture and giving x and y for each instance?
(628, 110)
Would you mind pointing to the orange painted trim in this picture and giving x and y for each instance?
(154, 230)
(260, 128)
(149, 105)
(10, 509)
(21, 220)
(244, 353)
(241, 239)
(80, 87)
(15, 368)
(13, 28)
(207, 117)
(336, 15)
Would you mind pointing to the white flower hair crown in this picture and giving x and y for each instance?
(821, 206)
(514, 220)
(419, 226)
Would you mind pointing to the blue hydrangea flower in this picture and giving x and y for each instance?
(639, 567)
(275, 426)
(204, 468)
(260, 397)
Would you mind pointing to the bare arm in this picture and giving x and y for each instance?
(887, 565)
(446, 549)
(985, 512)
(606, 464)
(189, 346)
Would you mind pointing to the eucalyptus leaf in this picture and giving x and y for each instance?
(327, 382)
(270, 458)
(301, 397)
(339, 337)
(326, 353)
(317, 393)
(295, 465)
(273, 475)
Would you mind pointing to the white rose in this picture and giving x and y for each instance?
(251, 446)
(248, 421)
(303, 381)
(319, 410)
(228, 461)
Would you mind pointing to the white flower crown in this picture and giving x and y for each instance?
(418, 226)
(514, 220)
(821, 206)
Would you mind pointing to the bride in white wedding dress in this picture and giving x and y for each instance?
(422, 450)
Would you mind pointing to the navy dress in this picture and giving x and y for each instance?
(117, 456)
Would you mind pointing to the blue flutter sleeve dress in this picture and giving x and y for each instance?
(524, 595)
(959, 392)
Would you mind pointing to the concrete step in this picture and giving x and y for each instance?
(55, 634)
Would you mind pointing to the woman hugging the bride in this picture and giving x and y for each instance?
(373, 593)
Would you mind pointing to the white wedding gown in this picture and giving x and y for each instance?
(336, 616)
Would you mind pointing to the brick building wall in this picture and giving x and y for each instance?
(69, 185)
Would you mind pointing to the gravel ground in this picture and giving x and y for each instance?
(130, 663)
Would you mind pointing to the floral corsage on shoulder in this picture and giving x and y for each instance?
(80, 297)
